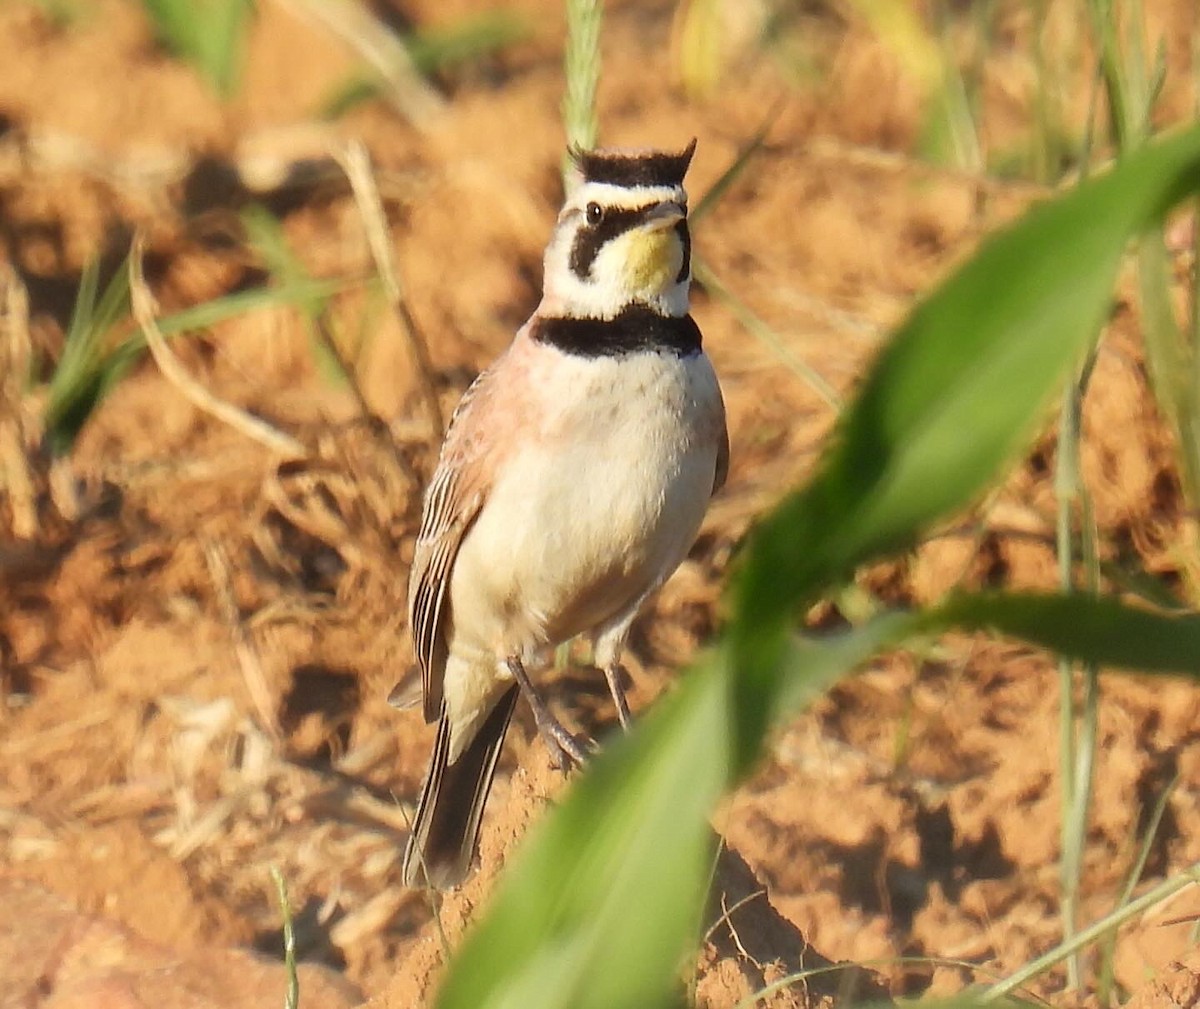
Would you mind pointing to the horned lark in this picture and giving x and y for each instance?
(572, 482)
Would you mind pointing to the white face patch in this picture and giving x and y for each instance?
(644, 262)
(641, 265)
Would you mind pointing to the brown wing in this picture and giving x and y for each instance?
(452, 502)
(722, 470)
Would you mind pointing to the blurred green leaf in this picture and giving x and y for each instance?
(267, 238)
(91, 365)
(433, 51)
(354, 90)
(959, 389)
(211, 34)
(570, 926)
(1087, 628)
(598, 908)
(608, 891)
(436, 50)
(81, 379)
(62, 13)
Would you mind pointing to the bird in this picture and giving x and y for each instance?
(572, 481)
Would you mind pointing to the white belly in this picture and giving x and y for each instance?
(596, 510)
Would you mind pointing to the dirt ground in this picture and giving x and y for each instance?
(197, 639)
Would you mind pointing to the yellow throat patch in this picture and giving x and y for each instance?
(652, 260)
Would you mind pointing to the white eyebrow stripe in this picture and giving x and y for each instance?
(626, 197)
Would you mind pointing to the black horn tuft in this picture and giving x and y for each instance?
(634, 168)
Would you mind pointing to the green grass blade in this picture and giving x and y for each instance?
(210, 34)
(1108, 948)
(291, 998)
(605, 897)
(435, 50)
(266, 236)
(81, 383)
(727, 178)
(432, 51)
(599, 906)
(754, 325)
(218, 310)
(1095, 931)
(960, 388)
(1087, 628)
(81, 377)
(581, 66)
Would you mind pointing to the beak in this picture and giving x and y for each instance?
(663, 215)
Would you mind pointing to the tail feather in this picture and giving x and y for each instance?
(442, 842)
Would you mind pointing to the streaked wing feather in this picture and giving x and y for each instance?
(452, 503)
(722, 470)
(447, 518)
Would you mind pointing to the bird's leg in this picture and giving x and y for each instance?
(558, 740)
(612, 673)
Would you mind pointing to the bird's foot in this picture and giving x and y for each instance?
(612, 674)
(565, 749)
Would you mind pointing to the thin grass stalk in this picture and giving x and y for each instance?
(1104, 28)
(1090, 934)
(1076, 821)
(1171, 357)
(581, 66)
(984, 15)
(1079, 720)
(954, 95)
(1104, 983)
(1193, 332)
(1088, 725)
(432, 897)
(144, 308)
(703, 934)
(782, 984)
(356, 163)
(707, 203)
(756, 327)
(1042, 157)
(291, 999)
(1130, 97)
(1171, 353)
(1067, 491)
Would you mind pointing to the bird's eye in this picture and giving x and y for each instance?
(595, 213)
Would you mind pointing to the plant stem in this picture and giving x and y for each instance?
(582, 69)
(1092, 933)
(1066, 481)
(1104, 983)
(1078, 725)
(291, 999)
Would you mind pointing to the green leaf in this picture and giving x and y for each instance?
(210, 34)
(1086, 628)
(267, 237)
(571, 926)
(957, 392)
(81, 379)
(608, 891)
(616, 874)
(468, 39)
(88, 371)
(599, 906)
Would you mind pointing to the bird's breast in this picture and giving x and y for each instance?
(597, 503)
